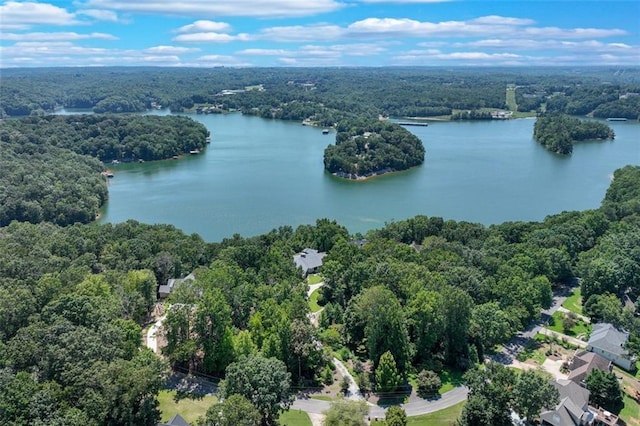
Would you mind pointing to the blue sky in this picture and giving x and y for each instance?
(238, 33)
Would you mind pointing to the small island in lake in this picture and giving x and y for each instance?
(367, 148)
(558, 132)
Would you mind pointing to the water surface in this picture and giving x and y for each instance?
(259, 174)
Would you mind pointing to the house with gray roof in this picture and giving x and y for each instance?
(165, 290)
(583, 363)
(573, 408)
(176, 420)
(608, 341)
(309, 260)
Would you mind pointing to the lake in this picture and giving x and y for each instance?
(260, 174)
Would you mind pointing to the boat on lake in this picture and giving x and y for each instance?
(616, 119)
(194, 152)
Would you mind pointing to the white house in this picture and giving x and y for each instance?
(609, 342)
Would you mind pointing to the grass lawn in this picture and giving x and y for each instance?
(190, 409)
(574, 302)
(294, 418)
(450, 379)
(631, 411)
(581, 327)
(313, 301)
(321, 397)
(511, 98)
(314, 279)
(445, 417)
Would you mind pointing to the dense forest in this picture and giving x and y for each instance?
(74, 299)
(51, 165)
(368, 148)
(415, 297)
(109, 137)
(558, 132)
(329, 94)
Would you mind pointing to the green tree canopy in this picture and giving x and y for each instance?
(263, 381)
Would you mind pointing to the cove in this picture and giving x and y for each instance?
(260, 174)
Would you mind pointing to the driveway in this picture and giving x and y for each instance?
(510, 350)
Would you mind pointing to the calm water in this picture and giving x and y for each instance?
(259, 174)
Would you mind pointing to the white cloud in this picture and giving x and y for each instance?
(411, 28)
(57, 36)
(266, 52)
(207, 8)
(100, 15)
(573, 32)
(314, 55)
(302, 33)
(210, 38)
(67, 53)
(502, 20)
(24, 15)
(220, 61)
(171, 50)
(482, 26)
(435, 57)
(545, 46)
(202, 26)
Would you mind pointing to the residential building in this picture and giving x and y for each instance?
(608, 341)
(309, 260)
(573, 408)
(165, 290)
(583, 363)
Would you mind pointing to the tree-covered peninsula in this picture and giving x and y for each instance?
(51, 165)
(109, 137)
(558, 132)
(368, 148)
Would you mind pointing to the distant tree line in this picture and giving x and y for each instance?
(558, 132)
(398, 92)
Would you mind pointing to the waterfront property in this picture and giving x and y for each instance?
(309, 260)
(165, 290)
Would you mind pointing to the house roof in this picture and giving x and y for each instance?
(608, 338)
(583, 362)
(573, 408)
(308, 259)
(174, 282)
(176, 420)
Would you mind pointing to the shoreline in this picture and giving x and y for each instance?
(364, 178)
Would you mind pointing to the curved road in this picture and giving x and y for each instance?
(417, 408)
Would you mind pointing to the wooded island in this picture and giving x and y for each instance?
(558, 132)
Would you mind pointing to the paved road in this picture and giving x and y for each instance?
(415, 408)
(511, 349)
